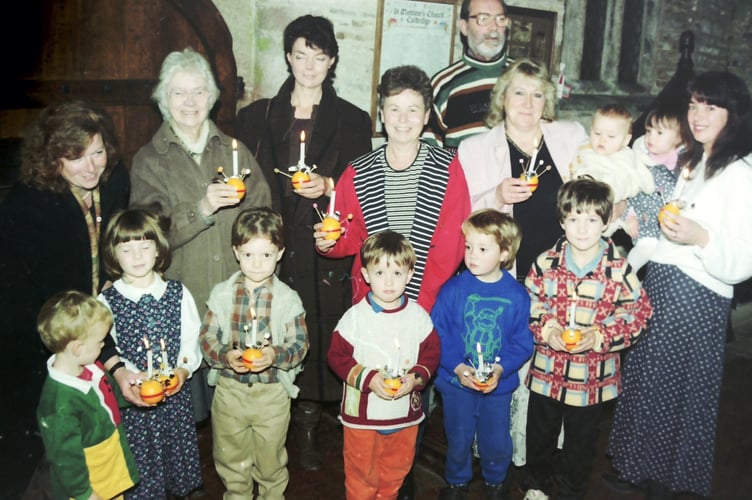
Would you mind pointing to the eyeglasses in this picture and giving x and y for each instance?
(485, 19)
(182, 94)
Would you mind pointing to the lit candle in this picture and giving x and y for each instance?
(149, 359)
(234, 158)
(301, 161)
(254, 326)
(164, 366)
(572, 311)
(480, 356)
(332, 197)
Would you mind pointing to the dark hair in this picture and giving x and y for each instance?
(727, 91)
(259, 222)
(318, 32)
(134, 224)
(465, 8)
(388, 244)
(676, 117)
(63, 131)
(584, 193)
(465, 14)
(399, 78)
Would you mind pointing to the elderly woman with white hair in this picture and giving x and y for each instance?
(175, 175)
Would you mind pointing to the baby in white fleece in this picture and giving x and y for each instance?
(608, 158)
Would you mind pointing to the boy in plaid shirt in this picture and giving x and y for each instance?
(582, 284)
(251, 406)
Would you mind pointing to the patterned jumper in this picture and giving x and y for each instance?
(163, 438)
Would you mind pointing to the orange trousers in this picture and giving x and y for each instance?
(376, 464)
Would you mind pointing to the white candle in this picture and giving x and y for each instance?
(301, 161)
(254, 326)
(234, 158)
(149, 359)
(397, 345)
(572, 311)
(480, 356)
(332, 197)
(164, 365)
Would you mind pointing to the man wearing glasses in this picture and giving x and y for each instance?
(461, 91)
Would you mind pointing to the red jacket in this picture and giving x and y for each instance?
(447, 244)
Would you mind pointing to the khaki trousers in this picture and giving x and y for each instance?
(249, 428)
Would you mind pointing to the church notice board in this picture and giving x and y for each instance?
(418, 32)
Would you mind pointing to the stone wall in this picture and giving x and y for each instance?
(723, 37)
(722, 29)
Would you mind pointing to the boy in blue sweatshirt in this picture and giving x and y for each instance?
(481, 317)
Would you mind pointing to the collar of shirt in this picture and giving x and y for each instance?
(587, 268)
(157, 288)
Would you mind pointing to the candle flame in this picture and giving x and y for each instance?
(396, 343)
(253, 313)
(302, 136)
(234, 144)
(162, 343)
(477, 346)
(146, 342)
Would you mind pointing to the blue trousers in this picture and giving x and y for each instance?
(467, 413)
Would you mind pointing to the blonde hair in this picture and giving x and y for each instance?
(527, 69)
(68, 316)
(502, 227)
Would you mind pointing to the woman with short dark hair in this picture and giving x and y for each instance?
(307, 110)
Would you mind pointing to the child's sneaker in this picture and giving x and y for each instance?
(495, 492)
(535, 495)
(454, 492)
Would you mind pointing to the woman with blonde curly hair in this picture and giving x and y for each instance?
(524, 135)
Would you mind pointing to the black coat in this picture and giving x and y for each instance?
(341, 133)
(44, 249)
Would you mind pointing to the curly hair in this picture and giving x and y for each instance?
(63, 131)
(527, 69)
(187, 60)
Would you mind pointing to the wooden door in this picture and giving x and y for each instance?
(109, 52)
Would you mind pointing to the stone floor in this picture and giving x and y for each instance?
(733, 461)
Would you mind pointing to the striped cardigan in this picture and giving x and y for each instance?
(441, 204)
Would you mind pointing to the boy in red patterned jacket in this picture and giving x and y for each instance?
(580, 285)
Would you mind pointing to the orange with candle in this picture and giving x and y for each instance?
(152, 391)
(249, 356)
(299, 178)
(394, 384)
(571, 334)
(531, 179)
(673, 207)
(169, 381)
